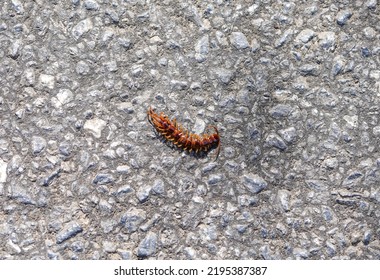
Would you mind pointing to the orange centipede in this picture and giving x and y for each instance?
(182, 138)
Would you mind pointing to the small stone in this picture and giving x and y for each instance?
(18, 7)
(366, 52)
(274, 140)
(113, 15)
(221, 38)
(77, 246)
(283, 197)
(238, 40)
(124, 169)
(81, 28)
(367, 237)
(108, 225)
(353, 179)
(91, 5)
(309, 70)
(254, 183)
(14, 49)
(338, 65)
(3, 171)
(343, 16)
(280, 111)
(145, 227)
(103, 179)
(369, 33)
(111, 66)
(352, 121)
(14, 247)
(328, 214)
(69, 231)
(179, 85)
(126, 43)
(326, 40)
(65, 149)
(65, 96)
(147, 246)
(209, 167)
(300, 253)
(109, 247)
(47, 81)
(202, 46)
(95, 126)
(158, 187)
(132, 219)
(143, 193)
(371, 4)
(21, 194)
(288, 134)
(38, 144)
(190, 253)
(28, 78)
(305, 36)
(199, 126)
(330, 163)
(282, 229)
(330, 249)
(225, 76)
(47, 180)
(82, 68)
(125, 255)
(283, 39)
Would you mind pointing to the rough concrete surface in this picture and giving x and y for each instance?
(293, 87)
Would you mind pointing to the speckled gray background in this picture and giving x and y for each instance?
(293, 86)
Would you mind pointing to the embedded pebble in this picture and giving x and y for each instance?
(224, 75)
(65, 96)
(274, 140)
(81, 28)
(132, 219)
(158, 187)
(283, 197)
(28, 77)
(238, 40)
(3, 171)
(143, 193)
(38, 144)
(147, 246)
(18, 6)
(289, 134)
(202, 46)
(91, 5)
(254, 183)
(103, 179)
(326, 40)
(47, 81)
(305, 36)
(95, 126)
(69, 231)
(109, 247)
(280, 111)
(343, 16)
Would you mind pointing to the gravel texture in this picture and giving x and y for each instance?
(293, 87)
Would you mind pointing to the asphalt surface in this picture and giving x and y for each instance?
(293, 87)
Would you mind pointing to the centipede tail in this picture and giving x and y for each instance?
(182, 138)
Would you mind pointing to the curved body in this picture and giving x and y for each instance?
(182, 138)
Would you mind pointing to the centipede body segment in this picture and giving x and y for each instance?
(181, 137)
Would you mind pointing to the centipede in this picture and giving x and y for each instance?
(173, 132)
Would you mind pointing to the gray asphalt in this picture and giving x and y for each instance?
(293, 87)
